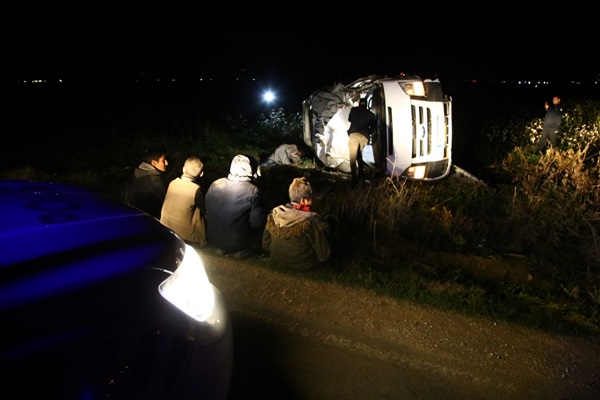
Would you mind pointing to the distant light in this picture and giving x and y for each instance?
(269, 96)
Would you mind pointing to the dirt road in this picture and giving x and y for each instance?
(299, 339)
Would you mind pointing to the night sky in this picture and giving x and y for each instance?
(41, 39)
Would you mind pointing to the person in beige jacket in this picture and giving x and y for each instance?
(184, 207)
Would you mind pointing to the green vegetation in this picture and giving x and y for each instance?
(522, 247)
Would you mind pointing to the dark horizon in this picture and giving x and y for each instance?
(43, 40)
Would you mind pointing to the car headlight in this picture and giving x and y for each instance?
(189, 289)
(416, 172)
(413, 88)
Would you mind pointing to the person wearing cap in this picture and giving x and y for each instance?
(235, 217)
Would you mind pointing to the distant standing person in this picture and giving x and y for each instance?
(285, 154)
(552, 121)
(235, 217)
(184, 208)
(362, 125)
(146, 189)
(295, 236)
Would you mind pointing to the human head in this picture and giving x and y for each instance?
(300, 189)
(295, 152)
(243, 168)
(193, 166)
(362, 102)
(556, 100)
(157, 157)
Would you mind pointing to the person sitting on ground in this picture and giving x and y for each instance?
(295, 236)
(235, 217)
(285, 154)
(184, 208)
(147, 188)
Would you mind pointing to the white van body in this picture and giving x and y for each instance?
(413, 138)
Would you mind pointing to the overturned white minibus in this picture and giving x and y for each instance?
(413, 138)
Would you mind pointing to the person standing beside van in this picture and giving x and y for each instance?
(362, 124)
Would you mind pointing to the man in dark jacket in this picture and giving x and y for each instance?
(552, 121)
(235, 218)
(362, 124)
(295, 236)
(147, 188)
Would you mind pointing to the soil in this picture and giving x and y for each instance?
(377, 340)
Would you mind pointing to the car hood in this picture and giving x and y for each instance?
(55, 238)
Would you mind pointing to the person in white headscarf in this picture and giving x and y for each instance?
(235, 216)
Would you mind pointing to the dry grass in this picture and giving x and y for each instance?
(545, 210)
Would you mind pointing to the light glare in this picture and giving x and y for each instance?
(189, 288)
(269, 96)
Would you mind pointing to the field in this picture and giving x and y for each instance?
(522, 247)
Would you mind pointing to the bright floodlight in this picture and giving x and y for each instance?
(268, 96)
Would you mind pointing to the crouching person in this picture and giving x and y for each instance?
(184, 207)
(295, 236)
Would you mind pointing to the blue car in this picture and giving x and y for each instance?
(98, 300)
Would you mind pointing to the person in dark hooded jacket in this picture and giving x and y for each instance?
(235, 217)
(295, 236)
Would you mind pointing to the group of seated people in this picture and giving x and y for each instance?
(231, 217)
